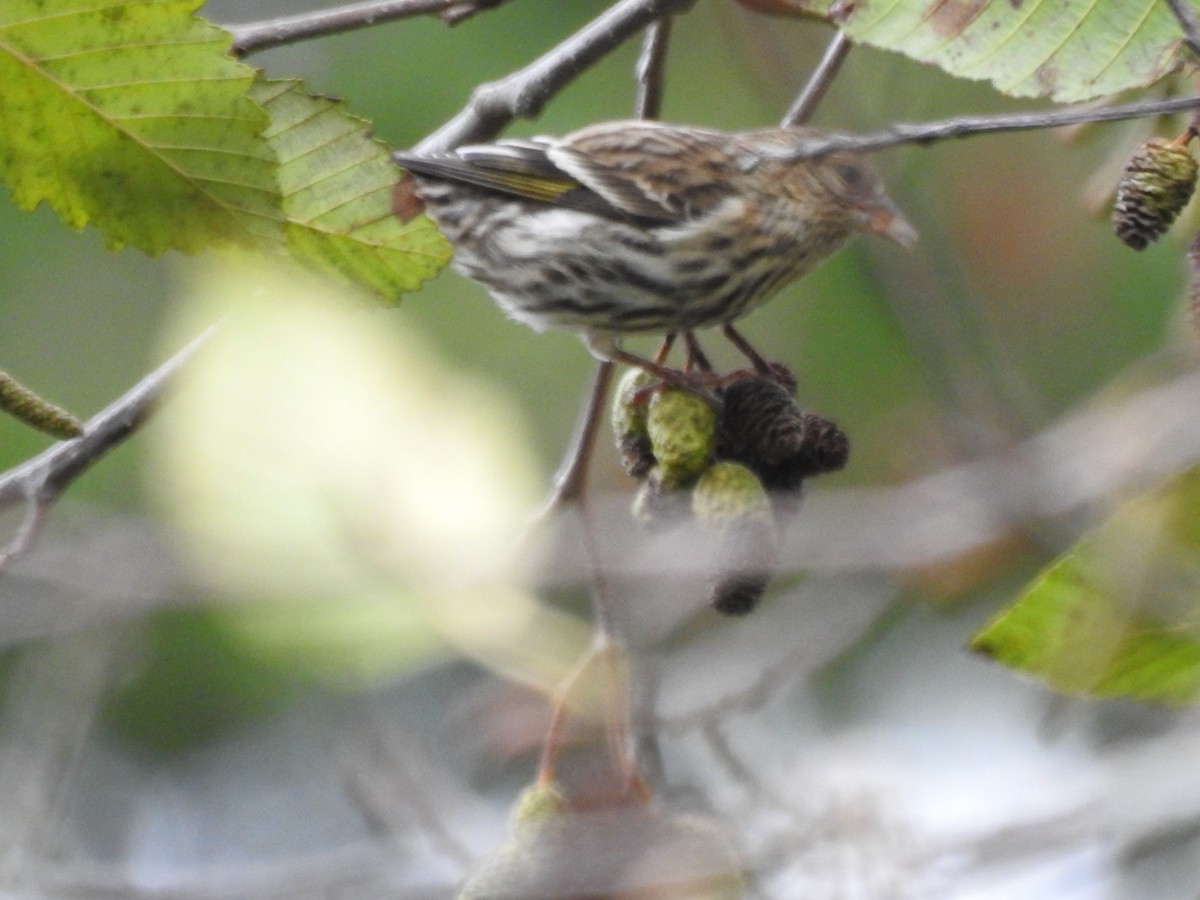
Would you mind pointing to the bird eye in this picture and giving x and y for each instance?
(850, 174)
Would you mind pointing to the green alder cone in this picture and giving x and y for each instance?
(629, 422)
(629, 415)
(683, 435)
(631, 853)
(540, 805)
(730, 493)
(731, 499)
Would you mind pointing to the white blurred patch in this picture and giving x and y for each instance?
(314, 457)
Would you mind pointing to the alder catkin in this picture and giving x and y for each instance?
(28, 407)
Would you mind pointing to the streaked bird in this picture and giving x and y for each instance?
(643, 227)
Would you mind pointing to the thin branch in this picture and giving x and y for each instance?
(966, 126)
(739, 771)
(651, 70)
(380, 782)
(806, 104)
(41, 481)
(1185, 14)
(255, 36)
(571, 479)
(523, 93)
(27, 532)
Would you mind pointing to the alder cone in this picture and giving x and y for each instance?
(763, 427)
(1157, 184)
(732, 500)
(630, 428)
(623, 853)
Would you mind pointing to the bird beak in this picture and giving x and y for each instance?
(886, 220)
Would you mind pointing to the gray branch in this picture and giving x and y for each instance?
(818, 84)
(255, 36)
(40, 481)
(652, 70)
(968, 126)
(525, 92)
(1185, 14)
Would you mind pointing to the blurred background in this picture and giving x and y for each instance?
(215, 686)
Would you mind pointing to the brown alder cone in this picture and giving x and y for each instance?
(1157, 183)
(628, 227)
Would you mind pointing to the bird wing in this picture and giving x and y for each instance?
(640, 171)
(517, 168)
(648, 169)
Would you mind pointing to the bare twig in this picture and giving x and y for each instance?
(570, 480)
(740, 772)
(523, 93)
(1185, 14)
(570, 490)
(967, 126)
(42, 480)
(822, 77)
(255, 36)
(382, 780)
(552, 744)
(27, 532)
(651, 70)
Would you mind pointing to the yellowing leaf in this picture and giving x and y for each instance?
(1069, 50)
(1118, 616)
(132, 117)
(337, 184)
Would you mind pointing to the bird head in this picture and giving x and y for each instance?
(854, 184)
(846, 187)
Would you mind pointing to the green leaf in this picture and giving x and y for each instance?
(132, 117)
(337, 184)
(1119, 615)
(1069, 50)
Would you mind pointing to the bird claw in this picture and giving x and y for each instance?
(702, 384)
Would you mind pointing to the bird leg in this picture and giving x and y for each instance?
(696, 357)
(760, 365)
(664, 373)
(605, 347)
(664, 349)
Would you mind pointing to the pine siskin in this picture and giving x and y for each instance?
(638, 226)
